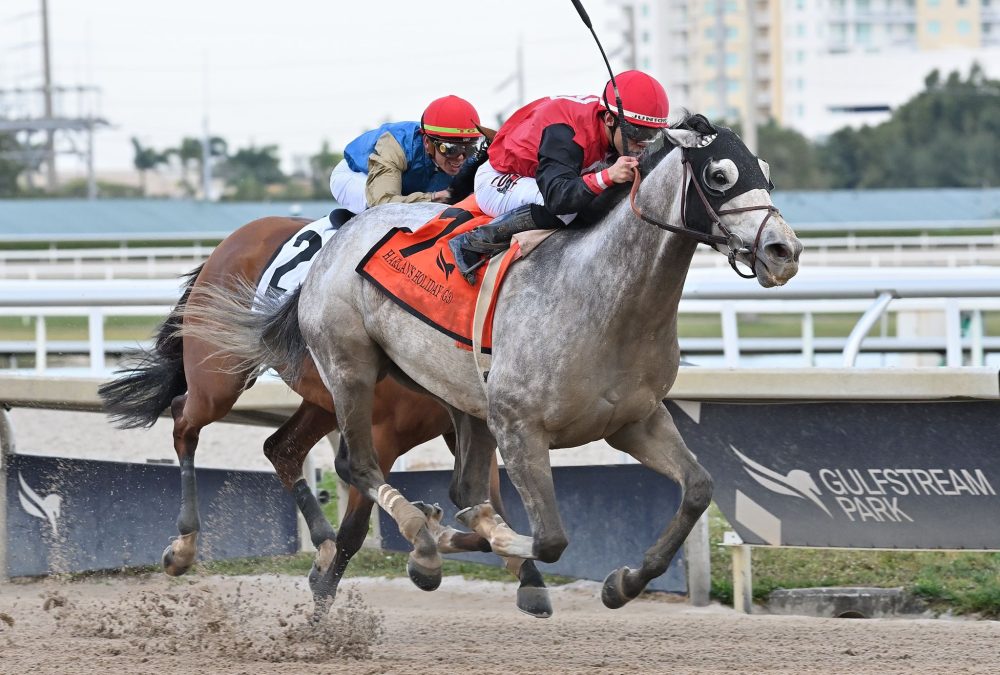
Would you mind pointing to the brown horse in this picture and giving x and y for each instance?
(199, 386)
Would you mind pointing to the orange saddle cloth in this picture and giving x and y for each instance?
(417, 270)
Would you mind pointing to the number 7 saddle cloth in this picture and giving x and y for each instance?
(417, 271)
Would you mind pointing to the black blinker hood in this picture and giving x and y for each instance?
(727, 145)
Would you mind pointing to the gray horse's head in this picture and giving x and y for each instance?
(729, 195)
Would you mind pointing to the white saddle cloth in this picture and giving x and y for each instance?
(287, 270)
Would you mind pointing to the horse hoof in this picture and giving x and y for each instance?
(613, 593)
(323, 585)
(425, 578)
(534, 601)
(431, 511)
(170, 566)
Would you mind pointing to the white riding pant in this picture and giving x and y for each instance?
(348, 187)
(497, 193)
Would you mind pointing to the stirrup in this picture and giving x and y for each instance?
(465, 268)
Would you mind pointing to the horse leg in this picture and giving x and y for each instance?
(532, 595)
(350, 369)
(180, 553)
(287, 450)
(470, 488)
(525, 452)
(656, 443)
(476, 463)
(357, 516)
(191, 412)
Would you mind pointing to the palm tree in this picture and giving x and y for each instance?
(146, 159)
(250, 170)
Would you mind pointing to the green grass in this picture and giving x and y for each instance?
(965, 583)
(75, 327)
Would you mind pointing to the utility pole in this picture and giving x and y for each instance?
(206, 161)
(520, 71)
(50, 144)
(630, 39)
(750, 103)
(720, 58)
(206, 140)
(517, 78)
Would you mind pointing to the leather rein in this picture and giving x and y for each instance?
(731, 240)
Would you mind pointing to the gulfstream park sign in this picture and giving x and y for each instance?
(879, 475)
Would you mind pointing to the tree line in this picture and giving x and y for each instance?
(946, 136)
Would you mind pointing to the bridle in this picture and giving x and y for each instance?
(731, 240)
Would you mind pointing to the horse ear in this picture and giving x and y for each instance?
(694, 131)
(687, 138)
(766, 168)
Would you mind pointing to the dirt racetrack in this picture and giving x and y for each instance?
(257, 625)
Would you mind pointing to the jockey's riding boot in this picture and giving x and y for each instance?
(490, 239)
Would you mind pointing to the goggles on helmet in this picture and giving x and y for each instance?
(453, 150)
(642, 135)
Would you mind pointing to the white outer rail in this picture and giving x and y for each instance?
(972, 289)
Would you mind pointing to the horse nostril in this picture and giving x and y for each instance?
(778, 252)
(782, 252)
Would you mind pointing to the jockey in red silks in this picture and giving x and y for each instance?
(541, 168)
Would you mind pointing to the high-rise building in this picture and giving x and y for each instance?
(814, 65)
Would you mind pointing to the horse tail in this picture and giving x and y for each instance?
(153, 377)
(253, 332)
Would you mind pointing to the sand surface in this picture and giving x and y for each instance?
(259, 625)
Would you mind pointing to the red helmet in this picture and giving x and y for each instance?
(644, 101)
(450, 117)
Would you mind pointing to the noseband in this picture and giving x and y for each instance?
(732, 241)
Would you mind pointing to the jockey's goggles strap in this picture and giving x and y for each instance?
(452, 150)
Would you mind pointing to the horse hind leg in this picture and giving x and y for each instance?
(180, 553)
(287, 449)
(350, 366)
(656, 443)
(209, 398)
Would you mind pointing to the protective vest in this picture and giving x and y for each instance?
(515, 148)
(421, 174)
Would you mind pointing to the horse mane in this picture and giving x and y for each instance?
(605, 202)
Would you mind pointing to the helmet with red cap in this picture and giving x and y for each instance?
(450, 117)
(644, 102)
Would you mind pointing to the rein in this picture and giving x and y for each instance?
(732, 241)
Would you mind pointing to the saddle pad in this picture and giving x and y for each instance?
(417, 271)
(289, 264)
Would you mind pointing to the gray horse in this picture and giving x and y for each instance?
(584, 347)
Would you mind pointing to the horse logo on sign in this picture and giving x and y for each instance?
(797, 483)
(46, 508)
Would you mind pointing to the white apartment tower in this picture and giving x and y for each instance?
(814, 65)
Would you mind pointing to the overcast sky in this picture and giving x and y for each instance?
(296, 72)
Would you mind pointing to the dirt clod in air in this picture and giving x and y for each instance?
(237, 624)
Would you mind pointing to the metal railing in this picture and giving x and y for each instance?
(961, 298)
(849, 249)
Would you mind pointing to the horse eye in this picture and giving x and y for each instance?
(719, 177)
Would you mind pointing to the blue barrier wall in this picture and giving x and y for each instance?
(612, 514)
(70, 515)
